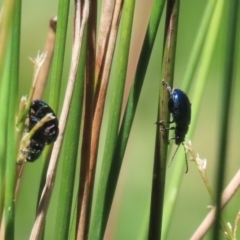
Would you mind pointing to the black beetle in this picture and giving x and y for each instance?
(180, 108)
(34, 150)
(49, 131)
(46, 134)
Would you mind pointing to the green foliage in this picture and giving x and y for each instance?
(135, 194)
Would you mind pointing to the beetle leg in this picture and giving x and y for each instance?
(163, 127)
(166, 129)
(167, 86)
(170, 139)
(171, 128)
(161, 122)
(25, 150)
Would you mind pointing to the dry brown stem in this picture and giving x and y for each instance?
(80, 23)
(226, 196)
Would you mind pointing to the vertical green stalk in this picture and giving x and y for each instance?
(7, 16)
(4, 109)
(133, 99)
(159, 168)
(56, 73)
(5, 66)
(197, 47)
(87, 174)
(56, 76)
(11, 166)
(59, 50)
(208, 32)
(70, 153)
(138, 82)
(100, 215)
(232, 7)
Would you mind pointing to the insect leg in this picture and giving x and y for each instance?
(170, 139)
(167, 129)
(25, 150)
(161, 122)
(167, 86)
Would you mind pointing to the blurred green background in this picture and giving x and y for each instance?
(131, 204)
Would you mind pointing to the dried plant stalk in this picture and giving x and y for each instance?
(51, 173)
(104, 32)
(226, 196)
(85, 196)
(97, 120)
(49, 49)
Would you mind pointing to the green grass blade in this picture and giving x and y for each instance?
(231, 46)
(4, 109)
(72, 227)
(197, 47)
(133, 98)
(100, 216)
(6, 22)
(11, 167)
(5, 64)
(56, 75)
(159, 167)
(70, 153)
(178, 167)
(59, 50)
(201, 80)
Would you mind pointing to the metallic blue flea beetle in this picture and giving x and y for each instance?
(47, 134)
(180, 108)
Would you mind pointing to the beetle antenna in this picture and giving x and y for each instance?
(185, 159)
(173, 156)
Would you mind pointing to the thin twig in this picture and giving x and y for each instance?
(202, 166)
(161, 144)
(6, 20)
(236, 224)
(97, 120)
(228, 193)
(38, 63)
(49, 49)
(47, 191)
(103, 39)
(83, 214)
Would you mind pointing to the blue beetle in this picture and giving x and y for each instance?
(180, 108)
